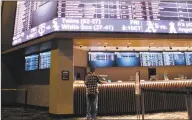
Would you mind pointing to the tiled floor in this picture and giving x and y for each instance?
(34, 114)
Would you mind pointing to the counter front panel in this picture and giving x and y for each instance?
(119, 98)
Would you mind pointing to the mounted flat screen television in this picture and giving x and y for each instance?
(101, 59)
(127, 59)
(174, 58)
(31, 62)
(179, 58)
(151, 58)
(188, 57)
(45, 60)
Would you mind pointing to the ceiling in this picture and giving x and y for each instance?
(133, 42)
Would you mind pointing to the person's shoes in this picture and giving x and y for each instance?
(89, 118)
(94, 118)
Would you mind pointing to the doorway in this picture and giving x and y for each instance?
(80, 73)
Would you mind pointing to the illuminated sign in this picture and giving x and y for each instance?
(99, 25)
(101, 16)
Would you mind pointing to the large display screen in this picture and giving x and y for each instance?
(188, 56)
(127, 59)
(35, 19)
(174, 58)
(151, 58)
(31, 62)
(101, 59)
(45, 60)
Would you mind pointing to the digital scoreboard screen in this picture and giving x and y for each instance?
(188, 56)
(101, 59)
(31, 62)
(45, 60)
(174, 58)
(127, 59)
(151, 58)
(35, 18)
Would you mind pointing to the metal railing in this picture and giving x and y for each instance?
(26, 93)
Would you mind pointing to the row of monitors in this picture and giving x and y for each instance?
(133, 59)
(35, 61)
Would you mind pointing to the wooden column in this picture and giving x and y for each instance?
(61, 91)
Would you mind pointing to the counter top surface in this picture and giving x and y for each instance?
(144, 82)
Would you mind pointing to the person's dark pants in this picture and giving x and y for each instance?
(92, 105)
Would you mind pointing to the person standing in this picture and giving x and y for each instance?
(91, 82)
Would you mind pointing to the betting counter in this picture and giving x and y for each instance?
(119, 97)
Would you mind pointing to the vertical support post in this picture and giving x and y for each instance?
(138, 94)
(138, 106)
(143, 104)
(188, 101)
(26, 93)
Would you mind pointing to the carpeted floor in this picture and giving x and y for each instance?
(8, 113)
